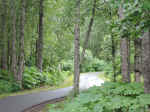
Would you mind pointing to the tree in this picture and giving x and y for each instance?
(85, 44)
(137, 59)
(3, 36)
(39, 44)
(125, 53)
(125, 69)
(146, 61)
(21, 44)
(13, 40)
(113, 57)
(77, 49)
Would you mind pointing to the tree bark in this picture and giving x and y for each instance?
(85, 44)
(113, 57)
(146, 61)
(125, 53)
(137, 59)
(3, 36)
(39, 57)
(13, 40)
(77, 50)
(125, 59)
(21, 44)
(8, 53)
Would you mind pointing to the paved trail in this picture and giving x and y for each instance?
(88, 80)
(22, 102)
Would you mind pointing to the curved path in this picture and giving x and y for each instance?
(22, 102)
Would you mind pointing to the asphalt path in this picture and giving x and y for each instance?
(22, 102)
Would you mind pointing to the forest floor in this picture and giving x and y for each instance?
(20, 102)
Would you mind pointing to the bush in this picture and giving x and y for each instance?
(7, 87)
(7, 83)
(59, 77)
(67, 65)
(32, 78)
(5, 75)
(108, 71)
(94, 65)
(90, 63)
(110, 97)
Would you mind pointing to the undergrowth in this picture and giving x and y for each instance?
(110, 97)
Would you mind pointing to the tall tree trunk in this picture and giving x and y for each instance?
(21, 44)
(137, 59)
(77, 50)
(3, 36)
(125, 59)
(13, 40)
(85, 44)
(39, 57)
(146, 61)
(125, 53)
(113, 57)
(8, 53)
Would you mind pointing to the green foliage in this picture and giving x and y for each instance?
(8, 86)
(110, 97)
(32, 78)
(67, 65)
(5, 75)
(93, 65)
(135, 17)
(90, 63)
(108, 70)
(7, 82)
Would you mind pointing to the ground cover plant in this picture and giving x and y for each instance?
(110, 97)
(5, 90)
(32, 79)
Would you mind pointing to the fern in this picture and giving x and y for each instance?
(110, 97)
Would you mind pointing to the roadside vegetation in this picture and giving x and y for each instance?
(110, 97)
(68, 81)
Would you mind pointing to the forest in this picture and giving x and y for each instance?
(49, 44)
